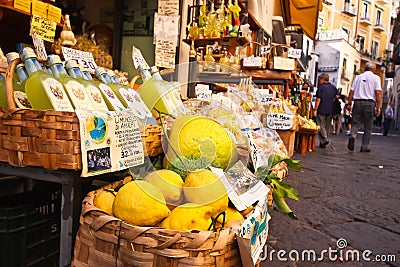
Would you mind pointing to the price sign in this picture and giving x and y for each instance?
(233, 89)
(254, 152)
(39, 47)
(294, 53)
(44, 28)
(264, 97)
(252, 61)
(84, 58)
(280, 121)
(138, 59)
(203, 92)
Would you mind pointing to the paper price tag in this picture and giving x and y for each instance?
(204, 95)
(233, 89)
(264, 97)
(39, 47)
(280, 121)
(252, 61)
(294, 53)
(254, 152)
(44, 28)
(138, 59)
(84, 58)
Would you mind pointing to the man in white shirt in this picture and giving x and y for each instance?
(366, 92)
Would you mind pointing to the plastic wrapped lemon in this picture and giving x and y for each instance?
(196, 136)
(140, 203)
(188, 217)
(203, 187)
(170, 184)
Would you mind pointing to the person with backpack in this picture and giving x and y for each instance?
(337, 116)
(389, 114)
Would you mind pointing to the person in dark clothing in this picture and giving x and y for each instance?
(389, 114)
(326, 95)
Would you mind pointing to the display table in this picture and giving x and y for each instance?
(306, 140)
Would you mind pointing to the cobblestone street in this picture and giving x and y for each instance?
(344, 195)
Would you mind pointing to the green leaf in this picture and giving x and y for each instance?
(292, 163)
(282, 205)
(285, 190)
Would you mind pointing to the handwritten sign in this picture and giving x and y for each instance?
(294, 53)
(264, 97)
(203, 92)
(44, 28)
(138, 59)
(110, 141)
(168, 7)
(252, 234)
(83, 58)
(252, 61)
(24, 5)
(280, 121)
(39, 47)
(264, 49)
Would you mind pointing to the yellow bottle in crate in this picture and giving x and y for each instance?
(17, 86)
(42, 89)
(3, 95)
(85, 79)
(112, 100)
(75, 90)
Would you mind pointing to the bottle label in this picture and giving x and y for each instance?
(21, 100)
(57, 95)
(111, 97)
(97, 100)
(78, 95)
(137, 104)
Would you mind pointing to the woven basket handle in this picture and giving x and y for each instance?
(272, 52)
(169, 242)
(101, 221)
(9, 86)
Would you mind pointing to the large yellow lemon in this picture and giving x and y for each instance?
(170, 184)
(196, 136)
(140, 203)
(188, 217)
(104, 200)
(203, 187)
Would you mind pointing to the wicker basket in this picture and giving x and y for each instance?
(48, 138)
(280, 62)
(104, 240)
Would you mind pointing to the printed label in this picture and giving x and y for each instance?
(56, 94)
(111, 97)
(96, 98)
(139, 104)
(78, 95)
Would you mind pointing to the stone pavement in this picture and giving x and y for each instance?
(344, 195)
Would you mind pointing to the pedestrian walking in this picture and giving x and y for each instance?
(347, 118)
(337, 116)
(388, 118)
(366, 92)
(326, 94)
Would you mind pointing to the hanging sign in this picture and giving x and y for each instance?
(294, 53)
(82, 57)
(54, 13)
(39, 8)
(252, 61)
(39, 47)
(280, 121)
(110, 141)
(24, 5)
(44, 28)
(138, 59)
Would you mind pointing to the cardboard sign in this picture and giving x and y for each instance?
(138, 59)
(110, 141)
(252, 61)
(252, 234)
(54, 13)
(40, 49)
(82, 57)
(280, 121)
(39, 8)
(24, 5)
(44, 28)
(264, 97)
(294, 53)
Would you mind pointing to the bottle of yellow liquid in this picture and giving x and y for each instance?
(92, 90)
(112, 100)
(3, 95)
(75, 90)
(132, 99)
(43, 90)
(155, 94)
(16, 83)
(209, 61)
(179, 108)
(225, 62)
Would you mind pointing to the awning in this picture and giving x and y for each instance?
(303, 13)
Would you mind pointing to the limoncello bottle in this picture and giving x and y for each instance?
(43, 90)
(132, 99)
(75, 90)
(15, 82)
(179, 108)
(155, 94)
(20, 97)
(3, 94)
(92, 90)
(112, 100)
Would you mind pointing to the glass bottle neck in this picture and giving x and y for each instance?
(105, 78)
(58, 70)
(75, 73)
(115, 79)
(32, 65)
(87, 76)
(145, 74)
(22, 74)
